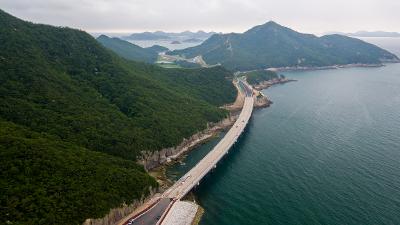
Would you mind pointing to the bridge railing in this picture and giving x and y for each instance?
(246, 113)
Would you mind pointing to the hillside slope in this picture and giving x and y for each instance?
(272, 45)
(74, 116)
(45, 180)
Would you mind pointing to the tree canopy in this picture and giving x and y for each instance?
(74, 117)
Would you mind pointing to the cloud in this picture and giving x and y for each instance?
(315, 16)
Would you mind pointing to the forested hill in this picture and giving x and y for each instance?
(272, 45)
(131, 51)
(74, 116)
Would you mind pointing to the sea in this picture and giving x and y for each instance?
(166, 43)
(180, 44)
(326, 152)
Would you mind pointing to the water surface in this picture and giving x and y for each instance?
(166, 43)
(326, 152)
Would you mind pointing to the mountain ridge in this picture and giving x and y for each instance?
(273, 45)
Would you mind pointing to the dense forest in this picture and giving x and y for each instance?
(272, 45)
(45, 180)
(74, 117)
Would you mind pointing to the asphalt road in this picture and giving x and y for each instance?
(152, 215)
(245, 88)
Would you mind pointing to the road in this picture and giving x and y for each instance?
(197, 173)
(152, 215)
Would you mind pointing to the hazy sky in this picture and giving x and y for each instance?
(312, 16)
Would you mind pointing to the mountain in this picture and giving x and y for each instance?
(74, 117)
(272, 45)
(131, 51)
(374, 34)
(157, 48)
(146, 36)
(199, 35)
(160, 35)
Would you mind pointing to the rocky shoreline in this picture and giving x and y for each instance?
(152, 160)
(119, 213)
(156, 163)
(268, 83)
(310, 68)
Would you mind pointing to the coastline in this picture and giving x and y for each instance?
(157, 163)
(214, 194)
(213, 130)
(310, 68)
(268, 83)
(159, 172)
(167, 156)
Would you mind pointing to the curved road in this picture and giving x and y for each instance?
(152, 215)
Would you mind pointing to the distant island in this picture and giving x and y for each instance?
(161, 35)
(146, 36)
(176, 42)
(192, 40)
(372, 34)
(274, 46)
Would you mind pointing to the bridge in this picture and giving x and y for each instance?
(196, 174)
(156, 212)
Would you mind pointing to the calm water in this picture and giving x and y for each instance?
(165, 43)
(326, 152)
(389, 43)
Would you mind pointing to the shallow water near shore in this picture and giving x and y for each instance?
(326, 152)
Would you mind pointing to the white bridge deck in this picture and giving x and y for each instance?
(194, 176)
